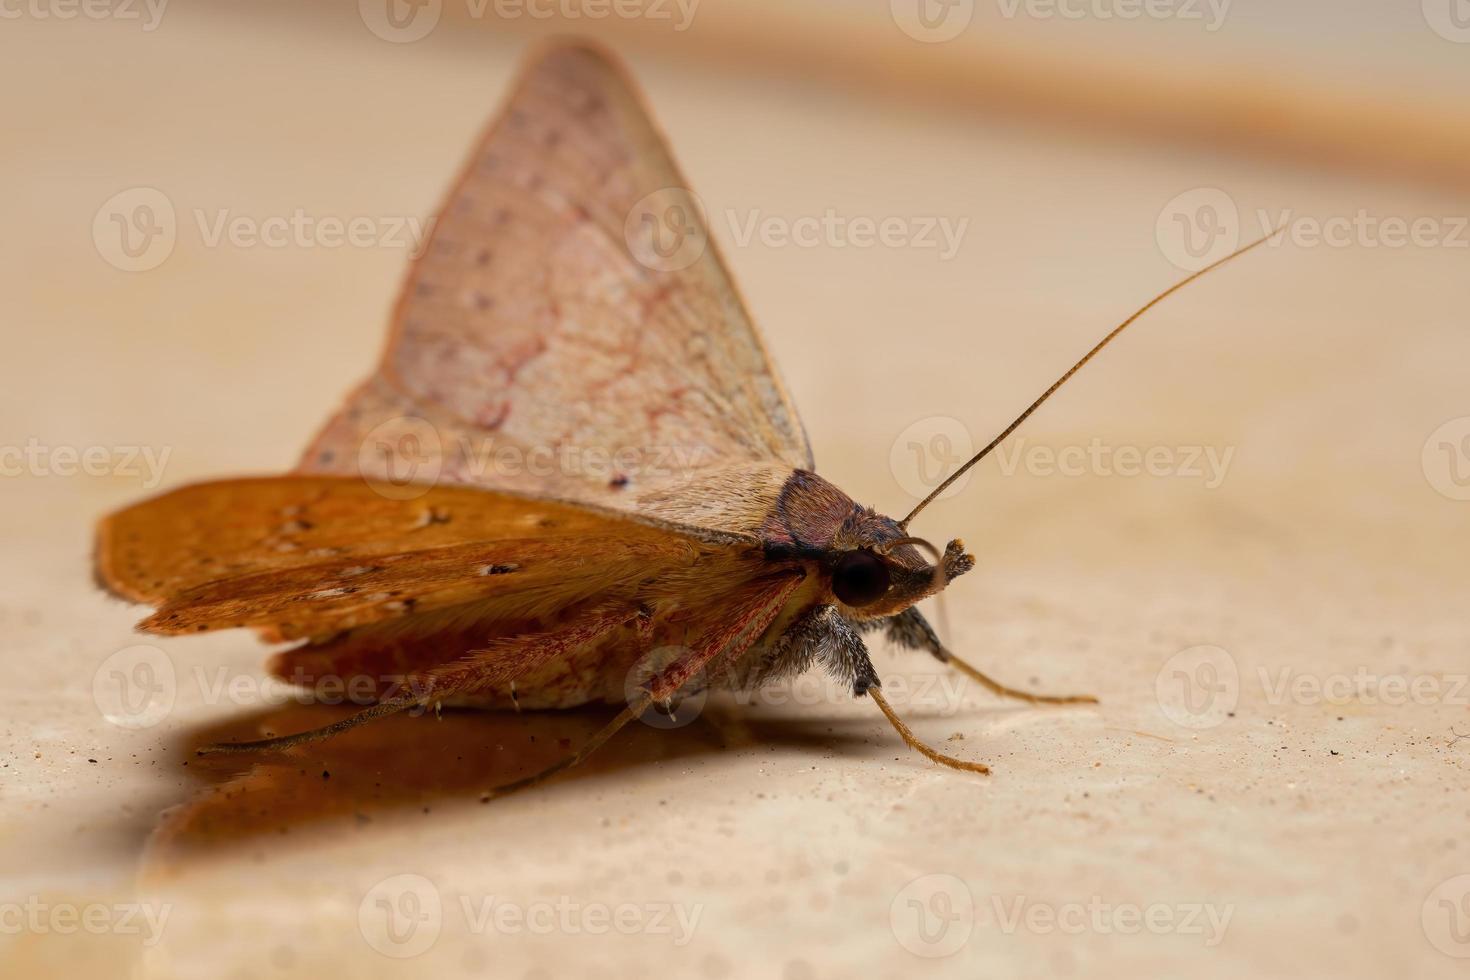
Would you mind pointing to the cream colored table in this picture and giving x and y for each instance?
(1244, 529)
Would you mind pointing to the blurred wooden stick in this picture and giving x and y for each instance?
(1273, 111)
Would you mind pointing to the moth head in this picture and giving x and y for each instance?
(889, 571)
(869, 564)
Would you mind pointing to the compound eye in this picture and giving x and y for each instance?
(860, 578)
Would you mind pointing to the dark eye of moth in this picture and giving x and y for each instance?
(860, 578)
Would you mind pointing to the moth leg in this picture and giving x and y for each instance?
(729, 636)
(913, 742)
(501, 660)
(379, 710)
(843, 651)
(910, 629)
(593, 744)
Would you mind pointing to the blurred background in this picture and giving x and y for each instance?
(1242, 527)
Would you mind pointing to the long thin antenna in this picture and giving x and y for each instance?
(1077, 367)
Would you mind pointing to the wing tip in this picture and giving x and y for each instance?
(561, 49)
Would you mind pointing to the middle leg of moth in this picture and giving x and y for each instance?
(824, 636)
(911, 630)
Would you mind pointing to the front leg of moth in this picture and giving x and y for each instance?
(911, 630)
(835, 644)
(840, 648)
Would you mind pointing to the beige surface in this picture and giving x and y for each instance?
(1321, 826)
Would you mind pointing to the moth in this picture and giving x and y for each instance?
(675, 529)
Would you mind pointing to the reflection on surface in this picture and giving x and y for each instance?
(402, 764)
(393, 764)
